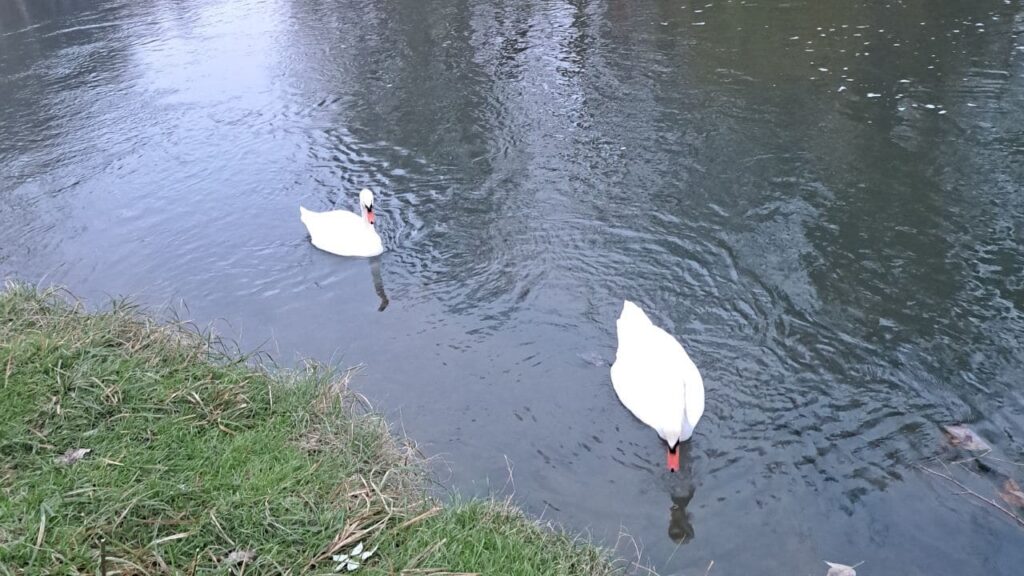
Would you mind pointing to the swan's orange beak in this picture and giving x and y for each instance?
(369, 215)
(672, 459)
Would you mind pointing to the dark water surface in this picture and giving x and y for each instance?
(821, 198)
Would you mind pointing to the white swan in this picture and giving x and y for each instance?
(655, 378)
(343, 233)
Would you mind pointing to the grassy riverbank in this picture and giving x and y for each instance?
(202, 464)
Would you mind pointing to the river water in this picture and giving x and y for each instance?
(822, 199)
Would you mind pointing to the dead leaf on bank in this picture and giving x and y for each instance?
(1012, 494)
(240, 556)
(71, 456)
(841, 569)
(964, 437)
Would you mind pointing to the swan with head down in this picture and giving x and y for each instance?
(656, 380)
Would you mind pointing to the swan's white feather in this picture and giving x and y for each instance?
(655, 378)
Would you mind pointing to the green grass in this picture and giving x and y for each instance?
(195, 455)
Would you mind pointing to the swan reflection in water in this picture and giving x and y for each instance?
(378, 283)
(680, 528)
(681, 487)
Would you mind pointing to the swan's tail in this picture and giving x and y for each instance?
(632, 314)
(304, 213)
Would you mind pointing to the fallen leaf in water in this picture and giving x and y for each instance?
(71, 456)
(240, 556)
(964, 437)
(841, 569)
(1012, 494)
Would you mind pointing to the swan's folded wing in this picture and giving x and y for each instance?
(694, 395)
(647, 376)
(341, 232)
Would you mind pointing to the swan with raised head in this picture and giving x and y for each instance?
(342, 232)
(656, 380)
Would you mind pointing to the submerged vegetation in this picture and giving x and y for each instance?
(132, 447)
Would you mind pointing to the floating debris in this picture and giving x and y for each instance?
(841, 89)
(1012, 494)
(874, 95)
(594, 358)
(841, 569)
(964, 437)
